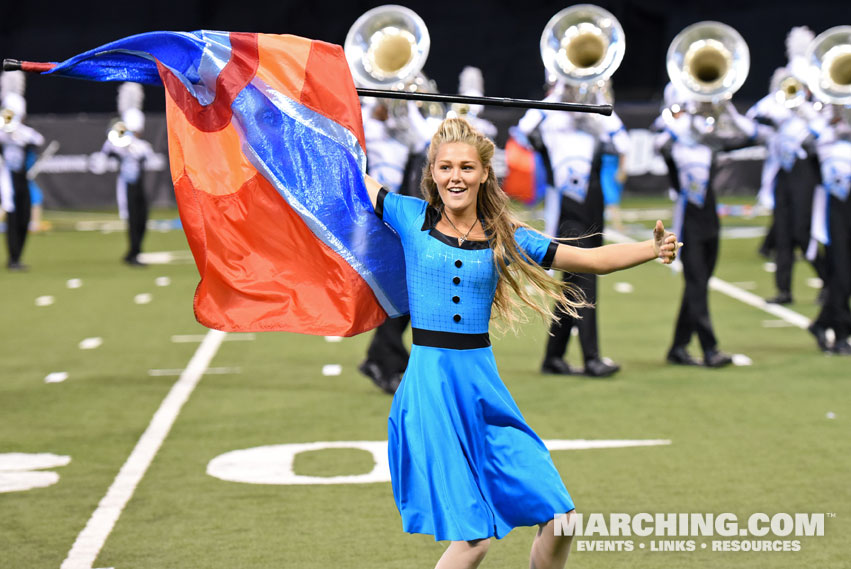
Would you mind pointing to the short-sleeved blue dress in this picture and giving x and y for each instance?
(463, 461)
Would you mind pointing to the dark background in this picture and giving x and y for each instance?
(501, 37)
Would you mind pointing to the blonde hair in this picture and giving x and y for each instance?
(514, 267)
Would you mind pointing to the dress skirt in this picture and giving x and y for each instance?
(463, 462)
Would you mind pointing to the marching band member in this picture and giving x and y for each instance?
(125, 144)
(688, 140)
(571, 147)
(834, 153)
(790, 172)
(16, 140)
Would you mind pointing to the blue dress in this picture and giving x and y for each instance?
(463, 462)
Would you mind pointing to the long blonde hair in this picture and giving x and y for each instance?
(514, 267)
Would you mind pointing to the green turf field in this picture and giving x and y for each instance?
(770, 438)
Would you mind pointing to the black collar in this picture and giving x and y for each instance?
(432, 216)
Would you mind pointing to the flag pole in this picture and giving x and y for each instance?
(493, 101)
(35, 67)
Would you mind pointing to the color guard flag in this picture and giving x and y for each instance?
(526, 180)
(267, 156)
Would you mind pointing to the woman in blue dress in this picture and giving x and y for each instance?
(465, 466)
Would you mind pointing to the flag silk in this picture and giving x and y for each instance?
(267, 156)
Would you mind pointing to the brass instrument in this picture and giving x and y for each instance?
(790, 92)
(708, 62)
(387, 47)
(119, 135)
(829, 66)
(7, 120)
(582, 46)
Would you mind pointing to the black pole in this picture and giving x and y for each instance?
(496, 101)
(15, 65)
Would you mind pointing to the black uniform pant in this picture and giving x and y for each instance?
(699, 257)
(587, 322)
(387, 349)
(18, 221)
(793, 199)
(835, 312)
(137, 218)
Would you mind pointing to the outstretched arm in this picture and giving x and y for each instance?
(372, 188)
(610, 258)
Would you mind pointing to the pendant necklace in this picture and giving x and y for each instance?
(461, 238)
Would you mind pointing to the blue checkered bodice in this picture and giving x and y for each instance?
(450, 288)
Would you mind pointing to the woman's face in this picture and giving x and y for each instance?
(458, 173)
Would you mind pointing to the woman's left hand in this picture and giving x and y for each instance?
(665, 244)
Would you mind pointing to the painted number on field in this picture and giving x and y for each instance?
(273, 464)
(23, 471)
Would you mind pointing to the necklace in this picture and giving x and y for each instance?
(461, 238)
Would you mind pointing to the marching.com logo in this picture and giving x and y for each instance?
(774, 532)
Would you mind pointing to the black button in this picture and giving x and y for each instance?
(458, 263)
(456, 299)
(457, 280)
(457, 318)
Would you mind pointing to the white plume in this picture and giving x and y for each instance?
(471, 82)
(12, 82)
(797, 41)
(130, 96)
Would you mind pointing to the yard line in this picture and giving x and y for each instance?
(191, 338)
(733, 291)
(90, 541)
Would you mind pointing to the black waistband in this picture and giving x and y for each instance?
(451, 340)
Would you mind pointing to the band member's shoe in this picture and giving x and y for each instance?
(387, 384)
(134, 261)
(781, 298)
(716, 358)
(557, 366)
(17, 267)
(601, 367)
(680, 356)
(392, 383)
(842, 347)
(820, 333)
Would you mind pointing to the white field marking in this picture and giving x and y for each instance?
(273, 464)
(143, 298)
(162, 281)
(209, 371)
(91, 343)
(56, 377)
(20, 461)
(815, 282)
(831, 415)
(73, 283)
(233, 337)
(745, 285)
(742, 232)
(741, 360)
(769, 267)
(90, 541)
(333, 339)
(645, 214)
(332, 369)
(735, 292)
(776, 324)
(102, 226)
(46, 300)
(166, 257)
(624, 288)
(21, 471)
